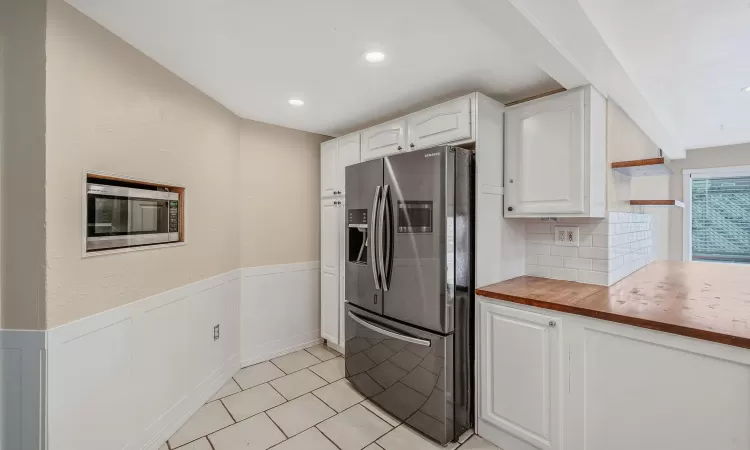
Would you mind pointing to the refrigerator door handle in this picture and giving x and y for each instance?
(373, 236)
(381, 237)
(389, 333)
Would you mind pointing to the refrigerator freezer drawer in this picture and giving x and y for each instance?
(404, 370)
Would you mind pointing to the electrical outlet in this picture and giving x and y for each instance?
(567, 236)
(216, 333)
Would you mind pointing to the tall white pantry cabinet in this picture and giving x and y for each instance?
(474, 121)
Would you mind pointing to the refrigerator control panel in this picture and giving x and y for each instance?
(357, 217)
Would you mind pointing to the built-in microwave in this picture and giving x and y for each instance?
(122, 217)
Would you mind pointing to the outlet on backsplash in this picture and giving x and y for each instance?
(216, 332)
(567, 236)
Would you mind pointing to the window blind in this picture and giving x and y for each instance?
(721, 219)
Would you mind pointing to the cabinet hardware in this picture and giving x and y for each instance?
(510, 208)
(411, 145)
(399, 148)
(511, 180)
(552, 323)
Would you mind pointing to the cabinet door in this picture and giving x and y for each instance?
(348, 154)
(328, 175)
(520, 374)
(329, 236)
(383, 140)
(441, 124)
(545, 151)
(329, 306)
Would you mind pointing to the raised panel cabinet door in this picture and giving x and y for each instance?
(329, 236)
(545, 156)
(329, 306)
(348, 154)
(520, 374)
(328, 165)
(441, 124)
(383, 140)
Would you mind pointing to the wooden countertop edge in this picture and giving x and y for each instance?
(695, 333)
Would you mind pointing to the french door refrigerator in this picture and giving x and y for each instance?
(409, 287)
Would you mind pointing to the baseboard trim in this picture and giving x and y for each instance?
(283, 352)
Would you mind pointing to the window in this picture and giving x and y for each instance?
(717, 215)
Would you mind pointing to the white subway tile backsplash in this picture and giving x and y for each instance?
(609, 249)
(577, 263)
(593, 252)
(541, 228)
(585, 276)
(537, 249)
(537, 271)
(559, 250)
(539, 238)
(563, 274)
(551, 261)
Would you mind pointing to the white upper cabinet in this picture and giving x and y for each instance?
(328, 179)
(329, 235)
(520, 374)
(383, 140)
(555, 156)
(348, 155)
(441, 124)
(335, 155)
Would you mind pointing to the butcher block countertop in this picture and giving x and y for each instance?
(707, 301)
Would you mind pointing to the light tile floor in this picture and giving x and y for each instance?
(301, 401)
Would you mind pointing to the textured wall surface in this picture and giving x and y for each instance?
(22, 128)
(112, 109)
(280, 195)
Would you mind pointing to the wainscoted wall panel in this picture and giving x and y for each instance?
(280, 310)
(22, 382)
(130, 377)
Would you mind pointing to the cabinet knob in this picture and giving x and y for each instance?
(511, 180)
(399, 148)
(510, 208)
(411, 145)
(552, 323)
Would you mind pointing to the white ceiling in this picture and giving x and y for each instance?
(253, 56)
(689, 58)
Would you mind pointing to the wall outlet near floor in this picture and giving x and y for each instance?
(216, 333)
(567, 236)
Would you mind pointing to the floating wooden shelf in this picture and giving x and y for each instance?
(676, 203)
(643, 167)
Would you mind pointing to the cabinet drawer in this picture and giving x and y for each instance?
(384, 140)
(442, 124)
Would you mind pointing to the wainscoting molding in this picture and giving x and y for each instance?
(23, 361)
(280, 310)
(128, 378)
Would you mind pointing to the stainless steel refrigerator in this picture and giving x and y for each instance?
(410, 287)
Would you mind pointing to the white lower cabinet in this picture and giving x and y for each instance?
(599, 385)
(520, 377)
(329, 306)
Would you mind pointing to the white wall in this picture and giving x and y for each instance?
(728, 156)
(128, 378)
(280, 310)
(22, 373)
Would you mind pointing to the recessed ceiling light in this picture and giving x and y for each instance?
(296, 102)
(375, 57)
(746, 89)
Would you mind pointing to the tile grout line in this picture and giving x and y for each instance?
(277, 425)
(227, 410)
(286, 400)
(326, 436)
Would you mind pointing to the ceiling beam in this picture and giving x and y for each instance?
(559, 37)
